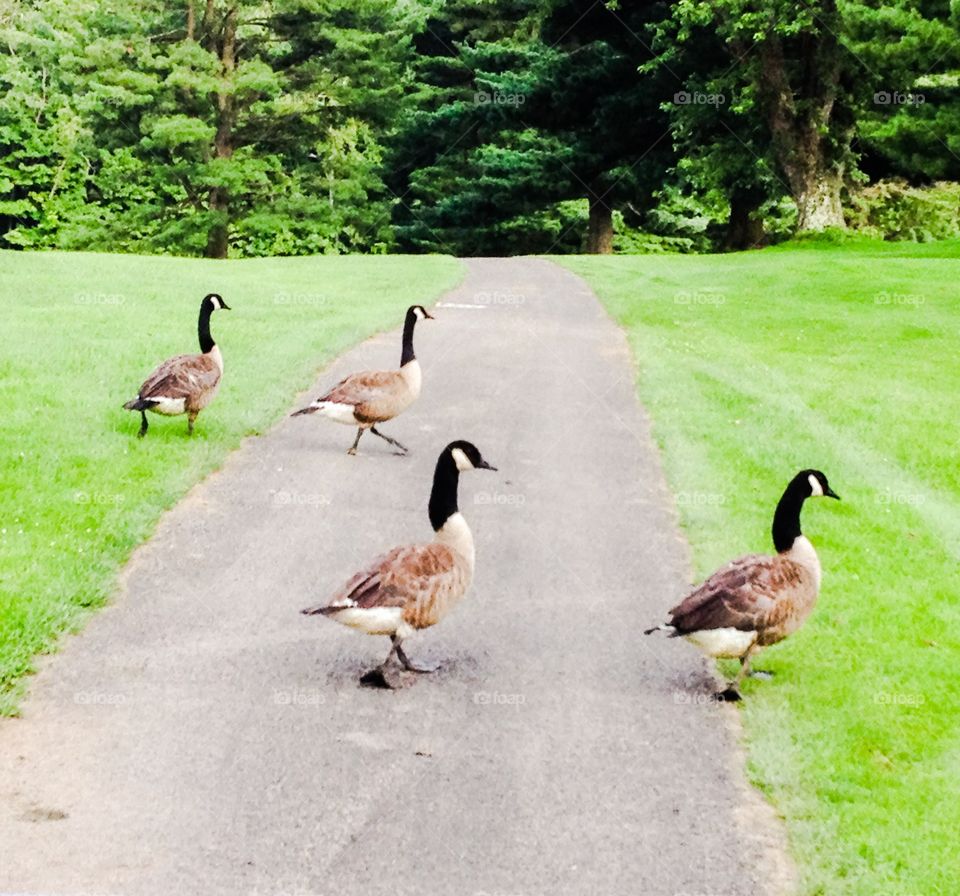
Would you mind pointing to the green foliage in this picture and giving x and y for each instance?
(503, 130)
(121, 130)
(327, 126)
(894, 210)
(910, 54)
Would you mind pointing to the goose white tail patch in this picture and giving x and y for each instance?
(372, 620)
(171, 407)
(816, 489)
(341, 413)
(722, 642)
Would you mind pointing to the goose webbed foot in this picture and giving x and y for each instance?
(730, 695)
(378, 678)
(144, 426)
(394, 442)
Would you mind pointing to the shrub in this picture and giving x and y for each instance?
(895, 210)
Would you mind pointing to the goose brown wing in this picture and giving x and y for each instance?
(181, 377)
(422, 579)
(362, 387)
(746, 594)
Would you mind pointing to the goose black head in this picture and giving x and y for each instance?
(466, 456)
(214, 302)
(419, 313)
(786, 519)
(815, 484)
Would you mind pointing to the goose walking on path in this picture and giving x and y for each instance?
(756, 600)
(414, 586)
(375, 396)
(185, 384)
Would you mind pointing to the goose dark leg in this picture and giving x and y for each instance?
(412, 667)
(377, 432)
(190, 419)
(732, 692)
(144, 426)
(356, 441)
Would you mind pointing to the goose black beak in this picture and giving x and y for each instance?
(483, 465)
(428, 315)
(225, 306)
(830, 493)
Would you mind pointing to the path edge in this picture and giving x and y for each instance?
(760, 824)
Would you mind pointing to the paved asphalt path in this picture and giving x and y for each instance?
(202, 737)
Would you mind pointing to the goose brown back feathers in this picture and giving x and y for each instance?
(769, 595)
(194, 378)
(425, 581)
(376, 395)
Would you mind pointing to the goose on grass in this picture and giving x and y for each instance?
(756, 600)
(416, 585)
(185, 384)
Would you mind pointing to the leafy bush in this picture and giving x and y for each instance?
(894, 210)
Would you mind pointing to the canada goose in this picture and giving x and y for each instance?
(185, 384)
(374, 396)
(414, 586)
(756, 600)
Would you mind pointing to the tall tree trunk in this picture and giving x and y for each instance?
(744, 226)
(600, 227)
(207, 22)
(818, 201)
(218, 238)
(191, 20)
(809, 142)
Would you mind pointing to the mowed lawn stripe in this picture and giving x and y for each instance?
(756, 365)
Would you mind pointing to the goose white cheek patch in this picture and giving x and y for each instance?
(816, 488)
(461, 460)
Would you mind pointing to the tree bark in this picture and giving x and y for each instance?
(191, 20)
(218, 237)
(808, 142)
(600, 227)
(818, 201)
(744, 226)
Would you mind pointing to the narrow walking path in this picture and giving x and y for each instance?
(202, 737)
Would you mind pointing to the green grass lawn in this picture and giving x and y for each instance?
(81, 332)
(754, 366)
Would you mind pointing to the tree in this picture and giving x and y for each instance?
(44, 139)
(791, 63)
(188, 128)
(552, 111)
(909, 58)
(719, 132)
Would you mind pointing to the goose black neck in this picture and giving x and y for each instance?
(203, 328)
(443, 496)
(786, 520)
(408, 325)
